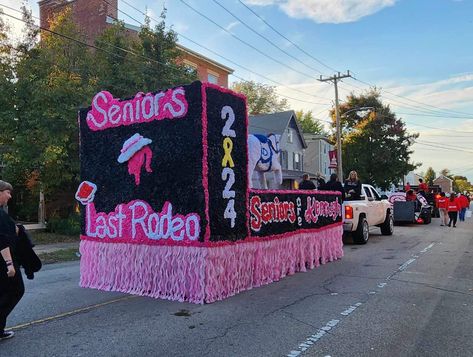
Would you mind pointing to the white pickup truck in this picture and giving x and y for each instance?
(370, 210)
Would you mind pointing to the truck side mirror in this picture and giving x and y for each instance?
(384, 197)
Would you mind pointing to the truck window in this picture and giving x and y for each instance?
(376, 195)
(368, 192)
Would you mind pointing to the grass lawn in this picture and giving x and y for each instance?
(51, 238)
(62, 255)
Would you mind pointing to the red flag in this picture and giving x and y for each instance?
(333, 159)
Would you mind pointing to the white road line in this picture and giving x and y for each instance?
(312, 339)
(427, 248)
(406, 264)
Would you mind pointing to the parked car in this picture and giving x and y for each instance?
(370, 210)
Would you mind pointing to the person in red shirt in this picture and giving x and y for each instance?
(453, 206)
(423, 186)
(410, 196)
(407, 187)
(442, 206)
(464, 204)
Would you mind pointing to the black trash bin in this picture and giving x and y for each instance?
(426, 214)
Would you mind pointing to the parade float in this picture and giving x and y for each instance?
(166, 205)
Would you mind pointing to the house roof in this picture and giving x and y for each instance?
(443, 177)
(310, 137)
(275, 123)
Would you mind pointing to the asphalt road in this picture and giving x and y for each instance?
(406, 295)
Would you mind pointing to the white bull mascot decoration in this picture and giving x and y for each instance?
(263, 156)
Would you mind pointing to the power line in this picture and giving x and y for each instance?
(287, 39)
(436, 116)
(224, 29)
(305, 52)
(418, 102)
(448, 136)
(442, 147)
(444, 129)
(84, 43)
(225, 58)
(244, 42)
(401, 104)
(264, 37)
(121, 49)
(443, 144)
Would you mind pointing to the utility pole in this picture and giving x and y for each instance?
(335, 78)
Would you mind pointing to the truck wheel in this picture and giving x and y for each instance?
(387, 228)
(362, 233)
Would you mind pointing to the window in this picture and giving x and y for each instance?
(289, 135)
(375, 194)
(284, 163)
(297, 161)
(190, 66)
(368, 192)
(212, 78)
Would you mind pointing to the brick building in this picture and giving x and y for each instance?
(93, 17)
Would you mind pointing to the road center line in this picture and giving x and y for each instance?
(312, 339)
(427, 248)
(70, 313)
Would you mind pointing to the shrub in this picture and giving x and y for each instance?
(67, 226)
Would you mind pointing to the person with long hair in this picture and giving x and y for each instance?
(11, 281)
(453, 206)
(353, 186)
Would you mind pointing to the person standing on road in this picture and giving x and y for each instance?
(423, 187)
(306, 184)
(334, 185)
(353, 186)
(442, 206)
(11, 281)
(464, 204)
(453, 206)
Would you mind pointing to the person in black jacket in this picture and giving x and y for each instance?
(334, 185)
(306, 184)
(353, 186)
(11, 281)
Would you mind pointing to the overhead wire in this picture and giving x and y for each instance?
(82, 43)
(442, 147)
(245, 42)
(225, 58)
(265, 38)
(418, 102)
(369, 84)
(131, 52)
(287, 39)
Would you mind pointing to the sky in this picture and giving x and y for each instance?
(419, 53)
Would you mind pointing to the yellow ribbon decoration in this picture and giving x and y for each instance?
(227, 148)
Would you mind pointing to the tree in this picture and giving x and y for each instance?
(53, 80)
(430, 176)
(125, 65)
(445, 172)
(44, 84)
(261, 98)
(461, 184)
(375, 144)
(308, 123)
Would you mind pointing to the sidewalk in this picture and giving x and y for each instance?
(50, 248)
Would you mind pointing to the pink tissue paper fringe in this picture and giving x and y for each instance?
(204, 274)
